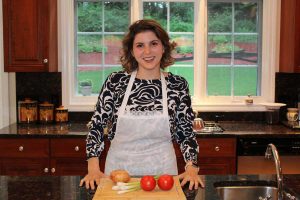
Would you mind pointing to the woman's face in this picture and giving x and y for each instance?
(147, 50)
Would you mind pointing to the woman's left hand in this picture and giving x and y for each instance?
(191, 175)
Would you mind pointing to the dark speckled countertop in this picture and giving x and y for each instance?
(232, 129)
(67, 187)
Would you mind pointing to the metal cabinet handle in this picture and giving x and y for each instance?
(217, 148)
(76, 148)
(21, 148)
(45, 61)
(53, 170)
(46, 170)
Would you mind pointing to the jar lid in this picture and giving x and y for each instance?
(27, 101)
(46, 104)
(61, 108)
(293, 109)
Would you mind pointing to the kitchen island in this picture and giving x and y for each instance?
(67, 187)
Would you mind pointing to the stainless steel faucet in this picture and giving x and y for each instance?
(272, 150)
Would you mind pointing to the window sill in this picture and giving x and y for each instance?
(234, 107)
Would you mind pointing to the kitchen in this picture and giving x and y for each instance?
(16, 86)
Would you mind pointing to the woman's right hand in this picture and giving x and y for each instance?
(92, 179)
(94, 174)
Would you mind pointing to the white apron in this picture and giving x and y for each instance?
(142, 144)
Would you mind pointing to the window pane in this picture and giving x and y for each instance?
(182, 17)
(112, 44)
(246, 17)
(157, 11)
(246, 50)
(219, 81)
(245, 79)
(90, 49)
(219, 49)
(89, 16)
(116, 16)
(219, 17)
(234, 47)
(100, 27)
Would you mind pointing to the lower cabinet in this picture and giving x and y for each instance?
(37, 157)
(216, 156)
(66, 156)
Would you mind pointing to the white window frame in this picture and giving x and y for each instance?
(201, 102)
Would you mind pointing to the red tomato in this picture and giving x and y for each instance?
(165, 182)
(148, 183)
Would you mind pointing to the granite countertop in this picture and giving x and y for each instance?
(232, 129)
(67, 187)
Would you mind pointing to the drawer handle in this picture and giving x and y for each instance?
(21, 148)
(217, 148)
(46, 170)
(76, 148)
(53, 170)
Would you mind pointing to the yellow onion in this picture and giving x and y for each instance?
(119, 175)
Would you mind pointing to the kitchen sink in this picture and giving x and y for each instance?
(245, 190)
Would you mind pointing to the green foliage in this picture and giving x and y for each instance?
(90, 44)
(184, 49)
(225, 48)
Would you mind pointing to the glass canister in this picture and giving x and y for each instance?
(27, 111)
(61, 114)
(46, 112)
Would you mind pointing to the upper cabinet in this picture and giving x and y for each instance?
(30, 35)
(290, 36)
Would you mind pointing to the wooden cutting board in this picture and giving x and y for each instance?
(105, 192)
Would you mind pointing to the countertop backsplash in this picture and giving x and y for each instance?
(47, 87)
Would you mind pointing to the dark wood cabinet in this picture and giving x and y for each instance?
(290, 36)
(217, 155)
(68, 157)
(36, 157)
(30, 35)
(24, 156)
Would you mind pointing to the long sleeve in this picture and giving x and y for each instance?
(100, 118)
(184, 116)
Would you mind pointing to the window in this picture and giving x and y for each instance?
(100, 26)
(226, 49)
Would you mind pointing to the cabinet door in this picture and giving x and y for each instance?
(68, 156)
(290, 36)
(24, 157)
(30, 35)
(217, 155)
(68, 166)
(24, 167)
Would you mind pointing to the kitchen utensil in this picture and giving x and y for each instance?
(105, 192)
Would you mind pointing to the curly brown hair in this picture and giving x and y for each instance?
(128, 61)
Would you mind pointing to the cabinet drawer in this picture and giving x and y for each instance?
(24, 148)
(217, 147)
(68, 148)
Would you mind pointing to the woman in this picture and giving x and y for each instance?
(147, 109)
